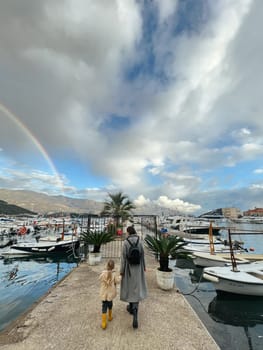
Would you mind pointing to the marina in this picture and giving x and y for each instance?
(25, 280)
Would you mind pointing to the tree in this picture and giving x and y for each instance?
(117, 206)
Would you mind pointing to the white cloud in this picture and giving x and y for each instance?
(256, 186)
(141, 201)
(164, 202)
(177, 204)
(166, 9)
(189, 94)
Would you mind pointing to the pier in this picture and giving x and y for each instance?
(68, 317)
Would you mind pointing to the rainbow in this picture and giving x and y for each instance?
(34, 140)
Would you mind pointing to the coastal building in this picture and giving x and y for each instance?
(231, 213)
(254, 212)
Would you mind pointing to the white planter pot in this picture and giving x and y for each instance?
(165, 279)
(94, 258)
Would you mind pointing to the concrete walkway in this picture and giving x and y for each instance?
(69, 316)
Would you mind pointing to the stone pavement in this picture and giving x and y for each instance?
(69, 316)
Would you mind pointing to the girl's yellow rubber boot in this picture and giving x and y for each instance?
(104, 321)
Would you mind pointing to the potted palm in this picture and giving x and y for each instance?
(96, 239)
(164, 247)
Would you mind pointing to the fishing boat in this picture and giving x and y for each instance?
(211, 244)
(203, 246)
(244, 279)
(42, 247)
(217, 255)
(206, 259)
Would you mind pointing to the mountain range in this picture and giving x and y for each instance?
(41, 203)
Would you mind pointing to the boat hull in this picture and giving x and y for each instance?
(202, 231)
(42, 248)
(217, 259)
(247, 279)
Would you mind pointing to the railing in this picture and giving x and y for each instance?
(144, 224)
(112, 249)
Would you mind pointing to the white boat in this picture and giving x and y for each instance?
(41, 248)
(54, 238)
(244, 279)
(205, 259)
(248, 220)
(204, 247)
(194, 226)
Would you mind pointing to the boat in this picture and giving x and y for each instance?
(206, 259)
(248, 220)
(217, 252)
(243, 279)
(42, 248)
(194, 226)
(7, 243)
(204, 246)
(212, 244)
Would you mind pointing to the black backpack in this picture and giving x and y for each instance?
(134, 253)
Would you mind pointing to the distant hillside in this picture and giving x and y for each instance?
(11, 209)
(42, 203)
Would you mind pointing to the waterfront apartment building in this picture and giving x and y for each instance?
(231, 213)
(254, 212)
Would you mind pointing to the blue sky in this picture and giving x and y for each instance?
(159, 99)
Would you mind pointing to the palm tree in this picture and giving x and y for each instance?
(117, 206)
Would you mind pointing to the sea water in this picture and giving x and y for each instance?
(235, 322)
(24, 280)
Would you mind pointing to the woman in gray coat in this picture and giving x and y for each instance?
(133, 284)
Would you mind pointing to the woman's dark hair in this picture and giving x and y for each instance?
(131, 230)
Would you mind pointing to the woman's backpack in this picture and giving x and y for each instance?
(134, 253)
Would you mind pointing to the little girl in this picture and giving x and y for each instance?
(108, 291)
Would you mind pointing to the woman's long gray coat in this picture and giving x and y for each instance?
(133, 283)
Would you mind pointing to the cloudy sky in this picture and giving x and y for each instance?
(160, 99)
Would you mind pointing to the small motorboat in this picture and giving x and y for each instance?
(244, 279)
(205, 259)
(42, 247)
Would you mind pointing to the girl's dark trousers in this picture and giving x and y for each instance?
(106, 305)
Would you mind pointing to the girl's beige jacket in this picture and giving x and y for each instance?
(108, 289)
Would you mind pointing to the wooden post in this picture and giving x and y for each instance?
(63, 230)
(211, 241)
(232, 256)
